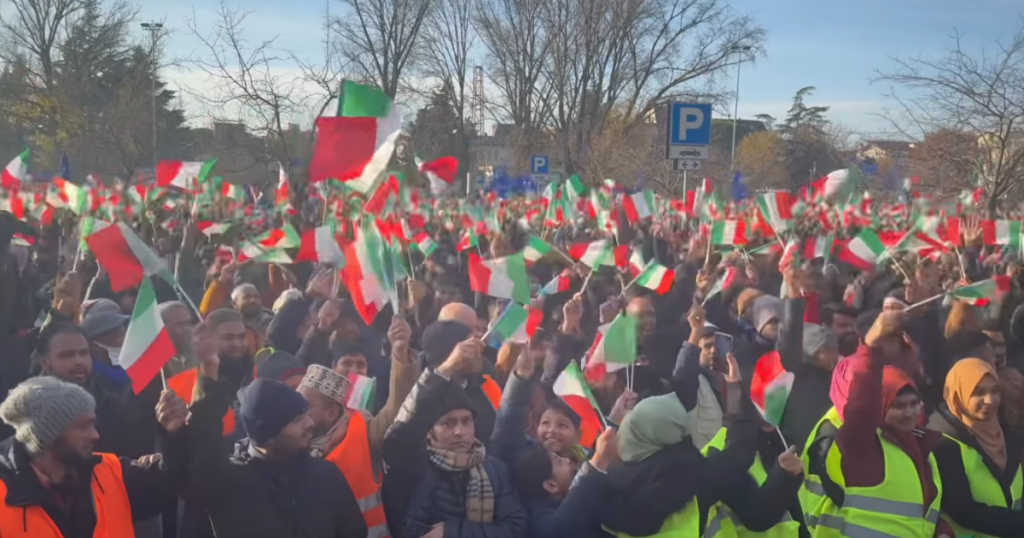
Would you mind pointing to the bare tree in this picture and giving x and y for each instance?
(448, 38)
(251, 88)
(326, 76)
(628, 58)
(979, 95)
(379, 38)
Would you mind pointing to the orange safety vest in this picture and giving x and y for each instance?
(492, 391)
(184, 383)
(110, 500)
(353, 457)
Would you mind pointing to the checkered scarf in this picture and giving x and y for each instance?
(479, 494)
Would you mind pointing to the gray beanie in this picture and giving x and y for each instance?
(41, 408)
(818, 337)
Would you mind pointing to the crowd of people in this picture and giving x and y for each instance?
(902, 415)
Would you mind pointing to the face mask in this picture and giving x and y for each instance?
(112, 352)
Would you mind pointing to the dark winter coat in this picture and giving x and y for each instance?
(417, 495)
(245, 495)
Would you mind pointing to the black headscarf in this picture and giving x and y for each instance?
(281, 331)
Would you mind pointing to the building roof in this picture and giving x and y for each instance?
(890, 145)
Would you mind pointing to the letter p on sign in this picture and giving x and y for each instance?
(690, 119)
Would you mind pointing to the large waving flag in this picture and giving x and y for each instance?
(183, 174)
(504, 278)
(16, 171)
(355, 145)
(125, 256)
(147, 345)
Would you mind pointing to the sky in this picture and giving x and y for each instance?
(836, 46)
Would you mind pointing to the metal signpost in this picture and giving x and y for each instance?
(540, 169)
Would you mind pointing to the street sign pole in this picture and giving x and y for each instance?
(684, 182)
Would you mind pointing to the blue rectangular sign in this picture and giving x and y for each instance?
(689, 124)
(539, 164)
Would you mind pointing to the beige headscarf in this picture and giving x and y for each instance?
(961, 381)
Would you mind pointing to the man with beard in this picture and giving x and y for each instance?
(842, 320)
(180, 327)
(64, 354)
(228, 333)
(270, 486)
(351, 440)
(54, 485)
(245, 299)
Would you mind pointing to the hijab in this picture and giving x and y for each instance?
(894, 381)
(842, 378)
(961, 381)
(654, 424)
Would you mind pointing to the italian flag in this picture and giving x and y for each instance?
(233, 191)
(863, 251)
(770, 387)
(362, 393)
(16, 171)
(252, 250)
(559, 284)
(638, 206)
(598, 253)
(124, 255)
(183, 174)
(1001, 232)
(729, 232)
(356, 144)
(65, 194)
(537, 248)
(147, 345)
(574, 188)
(614, 348)
(574, 391)
(983, 293)
(516, 324)
(776, 207)
(440, 172)
(425, 244)
(210, 229)
(656, 277)
(282, 195)
(504, 278)
(321, 245)
(364, 260)
(818, 247)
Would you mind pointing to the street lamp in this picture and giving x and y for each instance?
(154, 29)
(742, 49)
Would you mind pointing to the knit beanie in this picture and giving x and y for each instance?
(266, 407)
(451, 397)
(439, 340)
(280, 366)
(816, 338)
(41, 408)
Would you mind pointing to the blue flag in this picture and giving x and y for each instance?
(65, 167)
(739, 190)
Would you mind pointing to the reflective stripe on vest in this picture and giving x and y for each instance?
(891, 509)
(985, 488)
(812, 494)
(110, 501)
(725, 524)
(682, 524)
(491, 389)
(354, 460)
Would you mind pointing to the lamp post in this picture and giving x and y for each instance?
(154, 29)
(743, 49)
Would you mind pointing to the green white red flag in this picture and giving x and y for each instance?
(574, 391)
(504, 278)
(729, 232)
(125, 257)
(984, 293)
(183, 174)
(364, 262)
(863, 251)
(356, 144)
(517, 324)
(147, 345)
(614, 348)
(16, 171)
(321, 245)
(559, 284)
(656, 277)
(598, 253)
(770, 386)
(638, 206)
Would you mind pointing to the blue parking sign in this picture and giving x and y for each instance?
(539, 164)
